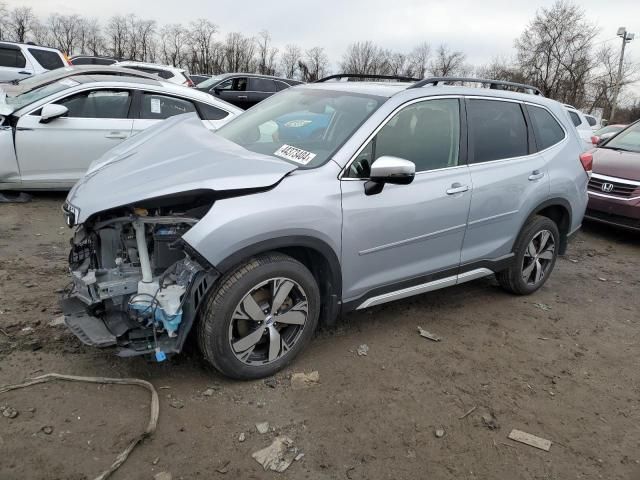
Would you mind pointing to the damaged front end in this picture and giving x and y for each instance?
(136, 284)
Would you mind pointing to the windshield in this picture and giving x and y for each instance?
(211, 81)
(609, 129)
(303, 126)
(39, 93)
(627, 140)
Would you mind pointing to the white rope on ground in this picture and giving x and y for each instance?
(153, 417)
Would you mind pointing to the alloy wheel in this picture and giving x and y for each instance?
(538, 257)
(268, 321)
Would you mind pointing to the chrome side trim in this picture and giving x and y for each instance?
(408, 292)
(473, 274)
(410, 240)
(425, 287)
(493, 217)
(615, 179)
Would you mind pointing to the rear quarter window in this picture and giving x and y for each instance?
(209, 112)
(591, 120)
(46, 58)
(547, 129)
(575, 118)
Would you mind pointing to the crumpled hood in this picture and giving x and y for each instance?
(177, 155)
(615, 163)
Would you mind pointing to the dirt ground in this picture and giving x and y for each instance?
(562, 364)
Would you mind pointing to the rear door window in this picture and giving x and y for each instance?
(159, 107)
(12, 58)
(46, 58)
(547, 129)
(262, 85)
(498, 130)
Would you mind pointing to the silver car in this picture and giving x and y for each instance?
(50, 135)
(323, 199)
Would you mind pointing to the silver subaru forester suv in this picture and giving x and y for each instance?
(325, 198)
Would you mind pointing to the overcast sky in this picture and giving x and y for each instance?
(482, 29)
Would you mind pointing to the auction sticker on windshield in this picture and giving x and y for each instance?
(294, 154)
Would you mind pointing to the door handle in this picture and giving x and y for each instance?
(116, 135)
(457, 188)
(242, 97)
(536, 175)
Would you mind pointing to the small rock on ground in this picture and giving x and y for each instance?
(363, 350)
(162, 476)
(262, 427)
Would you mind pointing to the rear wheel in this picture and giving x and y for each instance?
(260, 316)
(535, 251)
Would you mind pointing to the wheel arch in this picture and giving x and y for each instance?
(558, 210)
(315, 254)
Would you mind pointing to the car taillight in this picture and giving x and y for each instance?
(595, 139)
(190, 83)
(586, 159)
(68, 60)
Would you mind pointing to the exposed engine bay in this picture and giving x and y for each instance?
(134, 283)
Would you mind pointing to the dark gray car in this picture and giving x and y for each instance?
(244, 90)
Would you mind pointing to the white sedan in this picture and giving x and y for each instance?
(50, 135)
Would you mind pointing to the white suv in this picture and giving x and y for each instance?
(179, 76)
(20, 60)
(582, 124)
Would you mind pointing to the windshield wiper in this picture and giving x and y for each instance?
(619, 149)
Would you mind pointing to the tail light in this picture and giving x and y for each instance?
(586, 159)
(190, 83)
(67, 59)
(595, 139)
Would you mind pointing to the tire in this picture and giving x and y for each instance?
(526, 255)
(242, 305)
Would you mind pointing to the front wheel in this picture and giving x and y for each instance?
(260, 316)
(535, 250)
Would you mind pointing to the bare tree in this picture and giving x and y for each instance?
(117, 36)
(315, 64)
(365, 58)
(3, 21)
(447, 63)
(91, 36)
(173, 44)
(239, 53)
(419, 59)
(64, 31)
(603, 81)
(41, 33)
(266, 54)
(554, 51)
(21, 20)
(201, 34)
(289, 60)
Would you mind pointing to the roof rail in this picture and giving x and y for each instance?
(367, 76)
(493, 84)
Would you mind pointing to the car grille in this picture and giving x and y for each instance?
(618, 188)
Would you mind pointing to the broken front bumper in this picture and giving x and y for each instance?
(119, 331)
